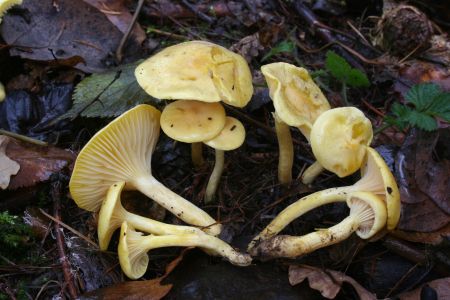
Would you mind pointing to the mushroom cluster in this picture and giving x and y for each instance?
(119, 157)
(199, 75)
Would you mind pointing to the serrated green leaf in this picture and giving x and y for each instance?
(441, 106)
(422, 121)
(108, 94)
(342, 71)
(283, 47)
(422, 95)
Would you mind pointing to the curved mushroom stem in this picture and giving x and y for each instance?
(286, 147)
(197, 154)
(214, 179)
(297, 209)
(176, 204)
(312, 172)
(293, 246)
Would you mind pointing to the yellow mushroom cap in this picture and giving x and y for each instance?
(370, 211)
(7, 4)
(119, 152)
(231, 137)
(297, 99)
(192, 121)
(378, 178)
(197, 70)
(339, 138)
(132, 257)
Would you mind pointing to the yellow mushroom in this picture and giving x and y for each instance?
(2, 92)
(376, 178)
(122, 151)
(298, 102)
(7, 4)
(133, 248)
(367, 217)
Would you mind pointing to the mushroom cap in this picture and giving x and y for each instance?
(119, 152)
(339, 138)
(371, 211)
(192, 121)
(231, 137)
(197, 70)
(378, 178)
(108, 220)
(298, 101)
(132, 257)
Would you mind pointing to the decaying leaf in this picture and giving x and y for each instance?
(135, 290)
(37, 163)
(327, 282)
(8, 166)
(47, 32)
(431, 238)
(424, 184)
(108, 94)
(439, 288)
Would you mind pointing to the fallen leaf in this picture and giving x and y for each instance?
(37, 163)
(136, 290)
(440, 290)
(8, 166)
(118, 14)
(431, 238)
(73, 29)
(327, 282)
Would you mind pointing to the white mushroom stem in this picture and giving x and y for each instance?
(312, 172)
(286, 149)
(293, 246)
(214, 179)
(176, 204)
(197, 154)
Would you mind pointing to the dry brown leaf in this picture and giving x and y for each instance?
(136, 290)
(440, 286)
(327, 282)
(118, 14)
(37, 163)
(8, 166)
(431, 238)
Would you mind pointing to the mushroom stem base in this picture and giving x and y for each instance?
(312, 172)
(214, 179)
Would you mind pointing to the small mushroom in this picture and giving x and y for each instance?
(376, 178)
(112, 214)
(122, 151)
(298, 102)
(231, 137)
(7, 4)
(367, 217)
(339, 138)
(133, 248)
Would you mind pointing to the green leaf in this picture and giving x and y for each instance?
(283, 47)
(108, 94)
(422, 95)
(440, 106)
(342, 71)
(422, 121)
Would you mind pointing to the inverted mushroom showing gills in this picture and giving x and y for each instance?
(376, 178)
(133, 248)
(298, 102)
(112, 214)
(122, 151)
(367, 217)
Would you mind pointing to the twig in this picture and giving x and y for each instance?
(168, 34)
(56, 195)
(197, 12)
(23, 138)
(119, 51)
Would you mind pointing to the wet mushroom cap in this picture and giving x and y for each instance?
(192, 121)
(231, 137)
(116, 153)
(297, 99)
(197, 70)
(339, 138)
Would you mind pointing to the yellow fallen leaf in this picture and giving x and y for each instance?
(8, 167)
